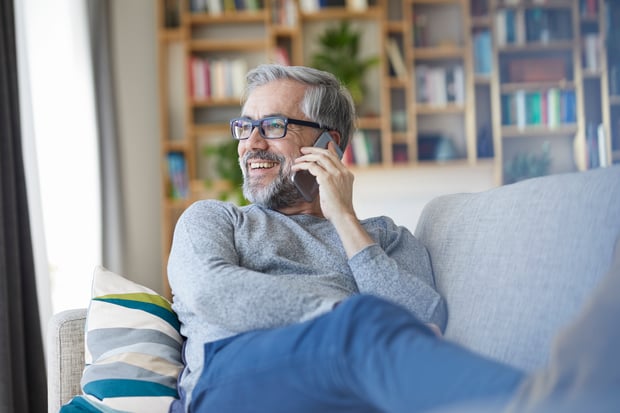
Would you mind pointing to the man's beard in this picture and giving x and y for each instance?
(279, 193)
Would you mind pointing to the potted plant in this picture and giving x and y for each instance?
(339, 55)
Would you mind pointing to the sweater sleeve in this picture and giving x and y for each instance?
(398, 268)
(207, 280)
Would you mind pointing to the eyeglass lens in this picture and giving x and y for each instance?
(270, 128)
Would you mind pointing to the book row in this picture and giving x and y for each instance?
(536, 25)
(177, 175)
(552, 108)
(216, 78)
(217, 7)
(440, 85)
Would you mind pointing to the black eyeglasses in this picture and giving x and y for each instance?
(272, 127)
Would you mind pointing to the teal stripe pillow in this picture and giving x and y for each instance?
(133, 349)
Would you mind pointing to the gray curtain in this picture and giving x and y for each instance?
(23, 386)
(111, 190)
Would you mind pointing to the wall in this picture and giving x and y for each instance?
(135, 77)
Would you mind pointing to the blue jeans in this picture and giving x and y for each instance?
(367, 355)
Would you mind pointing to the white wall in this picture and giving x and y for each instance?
(134, 48)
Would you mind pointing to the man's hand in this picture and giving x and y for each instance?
(336, 195)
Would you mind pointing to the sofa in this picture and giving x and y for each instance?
(515, 264)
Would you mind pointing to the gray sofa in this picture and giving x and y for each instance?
(515, 264)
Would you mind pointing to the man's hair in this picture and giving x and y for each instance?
(326, 101)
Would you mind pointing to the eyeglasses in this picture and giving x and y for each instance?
(272, 127)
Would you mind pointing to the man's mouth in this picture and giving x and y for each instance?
(261, 164)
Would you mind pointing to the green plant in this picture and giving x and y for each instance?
(226, 163)
(528, 165)
(339, 55)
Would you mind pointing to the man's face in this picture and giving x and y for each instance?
(266, 163)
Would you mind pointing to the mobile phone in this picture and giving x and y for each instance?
(306, 182)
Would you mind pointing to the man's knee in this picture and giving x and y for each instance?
(368, 316)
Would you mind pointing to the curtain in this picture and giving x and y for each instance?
(111, 191)
(23, 386)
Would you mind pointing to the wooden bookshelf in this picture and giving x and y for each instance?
(397, 114)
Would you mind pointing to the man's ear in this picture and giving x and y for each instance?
(335, 136)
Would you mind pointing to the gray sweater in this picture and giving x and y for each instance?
(235, 269)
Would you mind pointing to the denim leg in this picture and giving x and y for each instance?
(367, 355)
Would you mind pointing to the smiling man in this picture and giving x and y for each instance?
(296, 305)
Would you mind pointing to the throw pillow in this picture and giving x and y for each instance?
(132, 349)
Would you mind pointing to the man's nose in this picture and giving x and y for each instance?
(256, 141)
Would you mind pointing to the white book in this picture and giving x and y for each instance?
(459, 84)
(396, 58)
(521, 108)
(215, 7)
(500, 27)
(553, 108)
(198, 78)
(439, 91)
(591, 51)
(238, 70)
(309, 6)
(602, 146)
(358, 5)
(360, 150)
(519, 27)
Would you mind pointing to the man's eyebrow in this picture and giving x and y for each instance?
(266, 116)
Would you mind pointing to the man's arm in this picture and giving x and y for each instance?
(206, 278)
(398, 269)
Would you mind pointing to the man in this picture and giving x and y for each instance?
(293, 305)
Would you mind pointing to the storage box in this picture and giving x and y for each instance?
(541, 69)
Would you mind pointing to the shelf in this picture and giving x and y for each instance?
(212, 128)
(444, 52)
(171, 35)
(481, 22)
(397, 82)
(538, 131)
(243, 16)
(216, 102)
(554, 45)
(178, 145)
(228, 45)
(481, 79)
(397, 27)
(332, 13)
(450, 108)
(369, 122)
(528, 4)
(534, 86)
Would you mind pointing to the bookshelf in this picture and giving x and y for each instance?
(550, 96)
(437, 96)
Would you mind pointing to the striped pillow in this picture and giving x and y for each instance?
(133, 348)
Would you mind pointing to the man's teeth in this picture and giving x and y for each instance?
(262, 165)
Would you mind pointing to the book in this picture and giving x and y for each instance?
(360, 150)
(177, 175)
(602, 146)
(591, 51)
(396, 58)
(281, 56)
(521, 109)
(483, 52)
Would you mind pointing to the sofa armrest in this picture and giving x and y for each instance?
(65, 359)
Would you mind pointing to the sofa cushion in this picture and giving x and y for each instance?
(515, 263)
(132, 349)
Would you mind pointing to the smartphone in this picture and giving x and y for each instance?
(306, 182)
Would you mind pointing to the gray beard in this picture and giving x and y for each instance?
(280, 193)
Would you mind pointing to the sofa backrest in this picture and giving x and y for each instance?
(515, 263)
